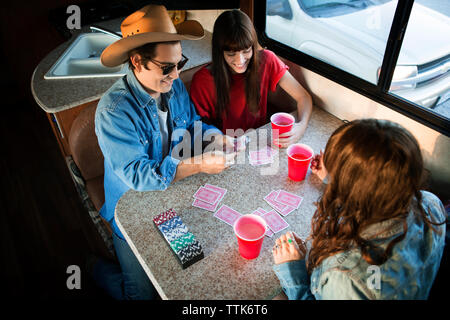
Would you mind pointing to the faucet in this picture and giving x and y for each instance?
(104, 30)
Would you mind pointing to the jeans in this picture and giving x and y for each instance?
(126, 280)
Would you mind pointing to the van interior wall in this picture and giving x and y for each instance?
(205, 17)
(349, 105)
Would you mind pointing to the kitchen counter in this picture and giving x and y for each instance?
(222, 273)
(55, 95)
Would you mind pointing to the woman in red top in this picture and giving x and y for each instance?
(231, 93)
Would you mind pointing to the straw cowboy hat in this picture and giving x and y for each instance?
(149, 24)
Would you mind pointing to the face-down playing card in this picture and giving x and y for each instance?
(227, 214)
(275, 222)
(207, 195)
(283, 209)
(288, 198)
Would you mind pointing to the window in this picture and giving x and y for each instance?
(360, 44)
(422, 74)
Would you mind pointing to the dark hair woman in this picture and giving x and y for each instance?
(231, 93)
(375, 234)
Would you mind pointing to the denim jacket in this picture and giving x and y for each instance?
(408, 274)
(127, 128)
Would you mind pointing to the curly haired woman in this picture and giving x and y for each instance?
(375, 234)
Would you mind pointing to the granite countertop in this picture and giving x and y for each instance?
(55, 95)
(222, 273)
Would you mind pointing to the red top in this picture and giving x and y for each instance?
(203, 94)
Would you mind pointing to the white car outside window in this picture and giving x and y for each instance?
(352, 35)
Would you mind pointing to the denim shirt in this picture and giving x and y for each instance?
(408, 274)
(128, 132)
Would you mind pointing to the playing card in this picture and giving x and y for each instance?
(275, 222)
(262, 210)
(270, 199)
(258, 213)
(207, 195)
(288, 198)
(204, 205)
(227, 214)
(222, 191)
(269, 233)
(262, 155)
(286, 211)
(260, 162)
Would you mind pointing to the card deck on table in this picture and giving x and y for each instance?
(262, 210)
(283, 209)
(207, 195)
(220, 190)
(227, 214)
(262, 156)
(206, 206)
(258, 213)
(287, 210)
(269, 233)
(260, 162)
(288, 199)
(275, 222)
(181, 242)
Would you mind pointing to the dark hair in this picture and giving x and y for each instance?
(147, 52)
(375, 170)
(234, 31)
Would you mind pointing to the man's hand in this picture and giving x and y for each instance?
(215, 161)
(212, 162)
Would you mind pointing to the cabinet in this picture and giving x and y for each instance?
(61, 123)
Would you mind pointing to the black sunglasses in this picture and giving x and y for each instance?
(168, 68)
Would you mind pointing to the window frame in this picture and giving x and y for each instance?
(380, 91)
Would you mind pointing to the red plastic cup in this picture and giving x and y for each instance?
(299, 158)
(282, 122)
(250, 230)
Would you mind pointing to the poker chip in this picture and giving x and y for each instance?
(163, 217)
(174, 233)
(191, 252)
(170, 224)
(182, 243)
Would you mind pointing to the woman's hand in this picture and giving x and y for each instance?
(317, 166)
(288, 247)
(293, 136)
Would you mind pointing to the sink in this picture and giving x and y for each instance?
(82, 59)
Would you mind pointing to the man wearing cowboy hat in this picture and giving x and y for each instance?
(134, 123)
